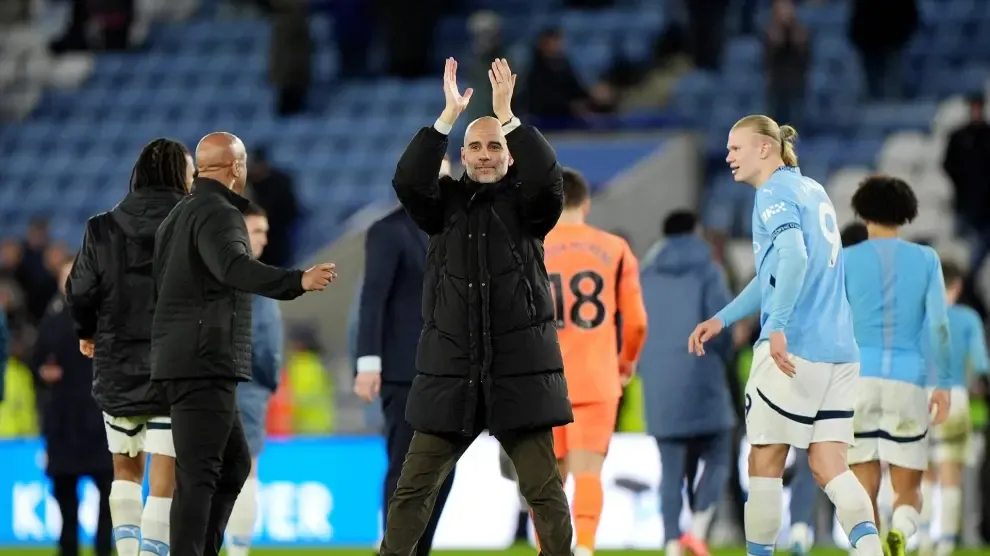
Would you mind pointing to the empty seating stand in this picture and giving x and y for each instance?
(73, 157)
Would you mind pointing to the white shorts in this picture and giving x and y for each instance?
(133, 435)
(951, 442)
(891, 424)
(813, 406)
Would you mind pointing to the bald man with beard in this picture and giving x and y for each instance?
(201, 338)
(488, 355)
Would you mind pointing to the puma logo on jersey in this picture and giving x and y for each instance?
(772, 210)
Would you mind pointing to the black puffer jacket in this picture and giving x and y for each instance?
(204, 278)
(488, 334)
(110, 293)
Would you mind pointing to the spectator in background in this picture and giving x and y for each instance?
(706, 25)
(113, 18)
(389, 326)
(786, 48)
(880, 30)
(967, 163)
(12, 297)
(275, 192)
(308, 387)
(75, 442)
(11, 256)
(854, 233)
(688, 407)
(553, 88)
(409, 32)
(33, 275)
(486, 33)
(20, 332)
(290, 57)
(353, 32)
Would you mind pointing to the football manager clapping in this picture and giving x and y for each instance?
(201, 338)
(488, 355)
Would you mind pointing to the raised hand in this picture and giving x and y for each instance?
(503, 83)
(456, 102)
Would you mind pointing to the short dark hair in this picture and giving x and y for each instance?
(161, 164)
(253, 209)
(885, 200)
(576, 190)
(952, 272)
(680, 222)
(853, 233)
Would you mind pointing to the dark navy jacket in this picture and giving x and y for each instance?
(685, 395)
(267, 339)
(390, 307)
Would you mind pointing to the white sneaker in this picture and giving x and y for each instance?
(673, 548)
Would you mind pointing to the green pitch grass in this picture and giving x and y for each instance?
(514, 551)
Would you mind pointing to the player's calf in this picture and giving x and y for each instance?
(926, 545)
(126, 502)
(906, 519)
(155, 519)
(586, 466)
(950, 479)
(764, 505)
(853, 505)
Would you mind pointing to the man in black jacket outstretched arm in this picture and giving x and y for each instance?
(488, 356)
(201, 338)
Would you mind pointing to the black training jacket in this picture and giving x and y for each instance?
(110, 292)
(488, 335)
(204, 278)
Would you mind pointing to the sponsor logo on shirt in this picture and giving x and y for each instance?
(772, 210)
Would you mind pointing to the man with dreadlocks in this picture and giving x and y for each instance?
(111, 294)
(201, 338)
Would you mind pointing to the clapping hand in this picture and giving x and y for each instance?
(456, 102)
(503, 83)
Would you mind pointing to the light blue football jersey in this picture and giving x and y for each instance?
(967, 346)
(821, 327)
(897, 296)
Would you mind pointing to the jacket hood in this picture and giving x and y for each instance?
(681, 254)
(141, 212)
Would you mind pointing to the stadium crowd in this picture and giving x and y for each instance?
(695, 408)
